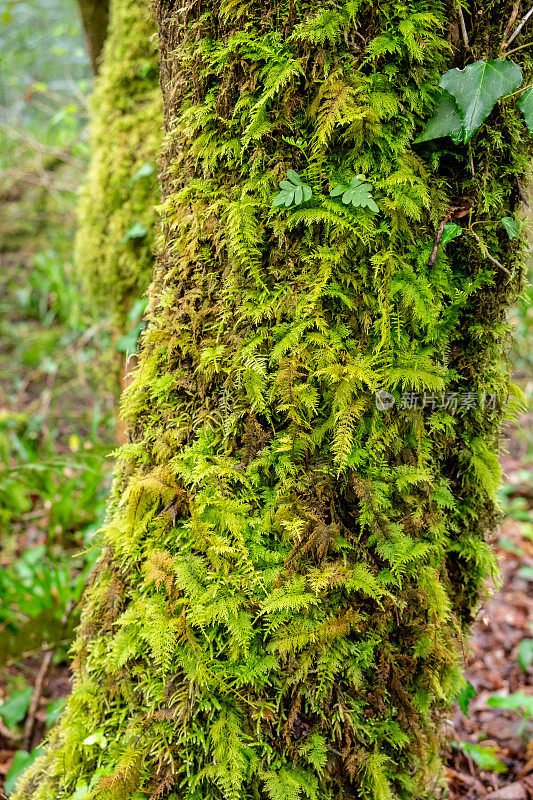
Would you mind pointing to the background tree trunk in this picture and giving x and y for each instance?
(288, 570)
(116, 217)
(95, 18)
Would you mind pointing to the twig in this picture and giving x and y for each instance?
(36, 696)
(488, 255)
(520, 26)
(523, 196)
(7, 734)
(510, 24)
(463, 26)
(516, 49)
(440, 231)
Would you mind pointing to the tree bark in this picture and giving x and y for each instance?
(289, 565)
(95, 18)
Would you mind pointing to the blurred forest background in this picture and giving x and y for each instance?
(58, 396)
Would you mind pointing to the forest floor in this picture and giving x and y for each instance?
(501, 639)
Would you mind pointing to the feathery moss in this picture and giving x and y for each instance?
(288, 570)
(114, 244)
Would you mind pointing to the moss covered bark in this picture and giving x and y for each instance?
(114, 246)
(288, 571)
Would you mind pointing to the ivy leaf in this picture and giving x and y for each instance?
(511, 226)
(465, 695)
(478, 87)
(525, 654)
(445, 122)
(485, 757)
(143, 172)
(450, 231)
(525, 104)
(15, 709)
(293, 191)
(357, 193)
(135, 231)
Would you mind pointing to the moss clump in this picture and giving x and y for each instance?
(120, 193)
(287, 569)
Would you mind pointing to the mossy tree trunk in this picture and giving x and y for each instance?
(95, 17)
(116, 218)
(288, 570)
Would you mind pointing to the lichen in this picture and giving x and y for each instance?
(288, 570)
(126, 135)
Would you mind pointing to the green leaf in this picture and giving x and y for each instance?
(512, 227)
(98, 737)
(525, 654)
(128, 342)
(445, 122)
(137, 310)
(520, 702)
(451, 231)
(53, 710)
(143, 172)
(465, 695)
(357, 193)
(526, 573)
(136, 231)
(82, 790)
(15, 709)
(293, 191)
(478, 87)
(485, 757)
(20, 763)
(525, 104)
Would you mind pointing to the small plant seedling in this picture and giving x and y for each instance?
(293, 191)
(356, 193)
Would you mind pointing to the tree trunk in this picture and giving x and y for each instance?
(115, 237)
(289, 565)
(95, 18)
(116, 217)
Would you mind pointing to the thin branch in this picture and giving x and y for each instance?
(463, 26)
(440, 231)
(523, 196)
(11, 128)
(487, 254)
(10, 735)
(520, 26)
(36, 696)
(510, 23)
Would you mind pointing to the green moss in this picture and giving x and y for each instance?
(126, 135)
(288, 570)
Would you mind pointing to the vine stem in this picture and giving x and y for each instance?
(518, 91)
(516, 49)
(487, 254)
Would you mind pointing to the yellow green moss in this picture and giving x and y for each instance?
(121, 191)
